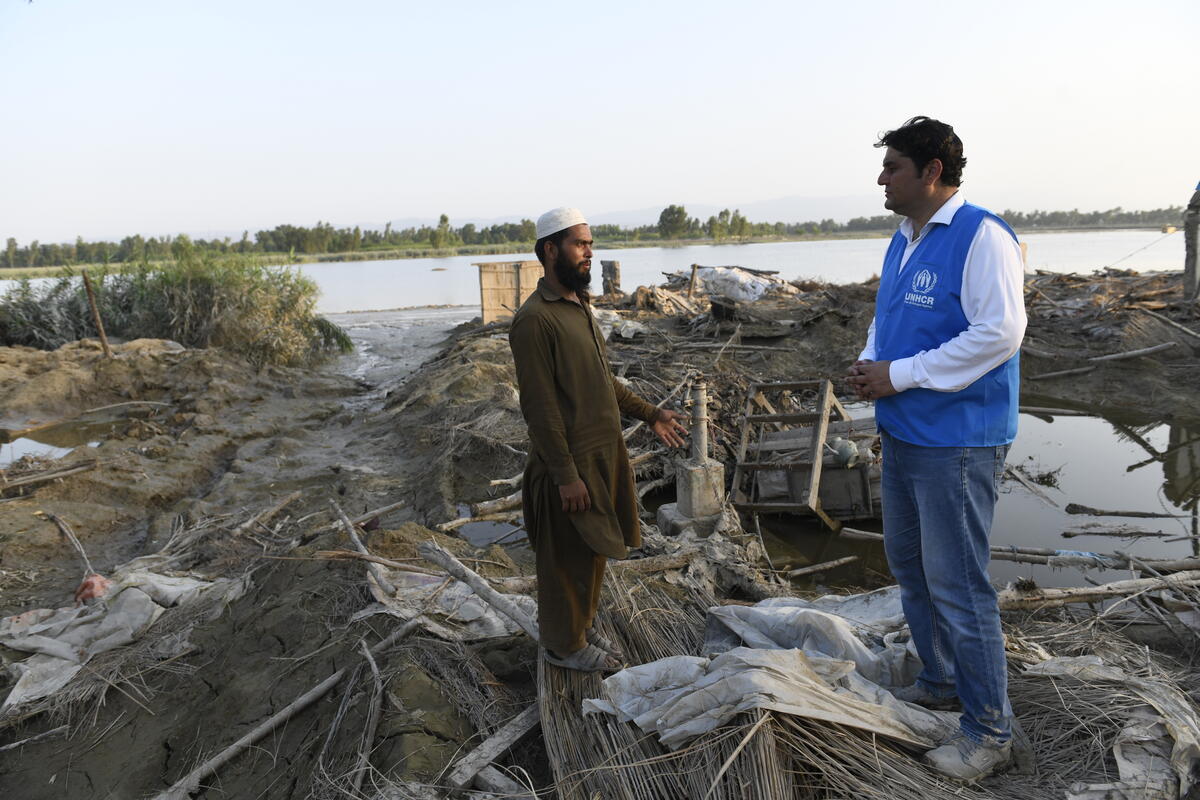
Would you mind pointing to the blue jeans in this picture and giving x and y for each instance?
(938, 504)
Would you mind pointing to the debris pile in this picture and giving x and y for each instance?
(270, 611)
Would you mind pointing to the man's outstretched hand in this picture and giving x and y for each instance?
(668, 428)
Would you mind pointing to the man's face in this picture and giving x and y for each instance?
(573, 264)
(903, 189)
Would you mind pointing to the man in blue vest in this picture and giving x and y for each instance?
(941, 365)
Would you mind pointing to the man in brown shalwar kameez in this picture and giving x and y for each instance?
(580, 502)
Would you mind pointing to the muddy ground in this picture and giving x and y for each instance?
(417, 419)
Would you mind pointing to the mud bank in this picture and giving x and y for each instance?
(434, 425)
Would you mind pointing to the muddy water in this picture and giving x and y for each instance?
(1116, 464)
(56, 441)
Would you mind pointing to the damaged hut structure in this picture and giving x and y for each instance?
(278, 583)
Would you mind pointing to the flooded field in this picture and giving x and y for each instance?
(1114, 465)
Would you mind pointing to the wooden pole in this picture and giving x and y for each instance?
(1191, 271)
(692, 284)
(91, 296)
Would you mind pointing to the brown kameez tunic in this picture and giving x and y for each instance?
(572, 405)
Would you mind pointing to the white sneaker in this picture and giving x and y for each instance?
(966, 760)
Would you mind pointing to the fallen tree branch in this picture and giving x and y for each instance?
(434, 552)
(1171, 322)
(47, 476)
(1076, 508)
(1118, 531)
(44, 735)
(373, 568)
(374, 712)
(1013, 600)
(822, 567)
(1061, 373)
(499, 504)
(387, 562)
(1145, 351)
(503, 516)
(264, 517)
(1030, 485)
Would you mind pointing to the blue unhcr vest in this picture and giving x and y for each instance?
(919, 310)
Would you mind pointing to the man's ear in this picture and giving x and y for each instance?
(932, 172)
(551, 251)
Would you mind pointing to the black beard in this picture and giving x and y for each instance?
(572, 278)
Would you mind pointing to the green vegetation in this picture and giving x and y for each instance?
(323, 242)
(264, 314)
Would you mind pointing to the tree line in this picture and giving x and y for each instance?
(674, 224)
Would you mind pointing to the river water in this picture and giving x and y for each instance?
(372, 285)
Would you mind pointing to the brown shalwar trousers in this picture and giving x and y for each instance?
(569, 576)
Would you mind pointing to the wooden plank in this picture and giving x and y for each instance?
(798, 439)
(463, 774)
(772, 508)
(788, 385)
(736, 493)
(820, 431)
(775, 466)
(802, 419)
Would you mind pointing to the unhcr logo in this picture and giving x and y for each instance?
(922, 284)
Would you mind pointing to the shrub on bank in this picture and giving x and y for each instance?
(265, 314)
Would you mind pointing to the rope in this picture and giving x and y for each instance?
(1140, 249)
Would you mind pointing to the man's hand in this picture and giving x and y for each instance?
(575, 496)
(871, 380)
(668, 428)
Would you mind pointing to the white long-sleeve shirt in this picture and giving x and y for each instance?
(993, 301)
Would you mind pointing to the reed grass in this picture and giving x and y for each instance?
(265, 314)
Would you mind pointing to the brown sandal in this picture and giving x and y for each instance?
(588, 658)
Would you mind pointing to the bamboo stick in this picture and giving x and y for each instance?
(91, 296)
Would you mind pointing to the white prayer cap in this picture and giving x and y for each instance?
(558, 219)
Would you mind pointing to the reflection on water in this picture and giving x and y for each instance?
(1113, 465)
(56, 440)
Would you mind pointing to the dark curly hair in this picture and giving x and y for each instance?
(923, 139)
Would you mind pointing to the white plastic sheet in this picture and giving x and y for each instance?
(456, 613)
(789, 655)
(63, 640)
(738, 284)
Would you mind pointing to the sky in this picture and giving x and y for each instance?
(152, 117)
